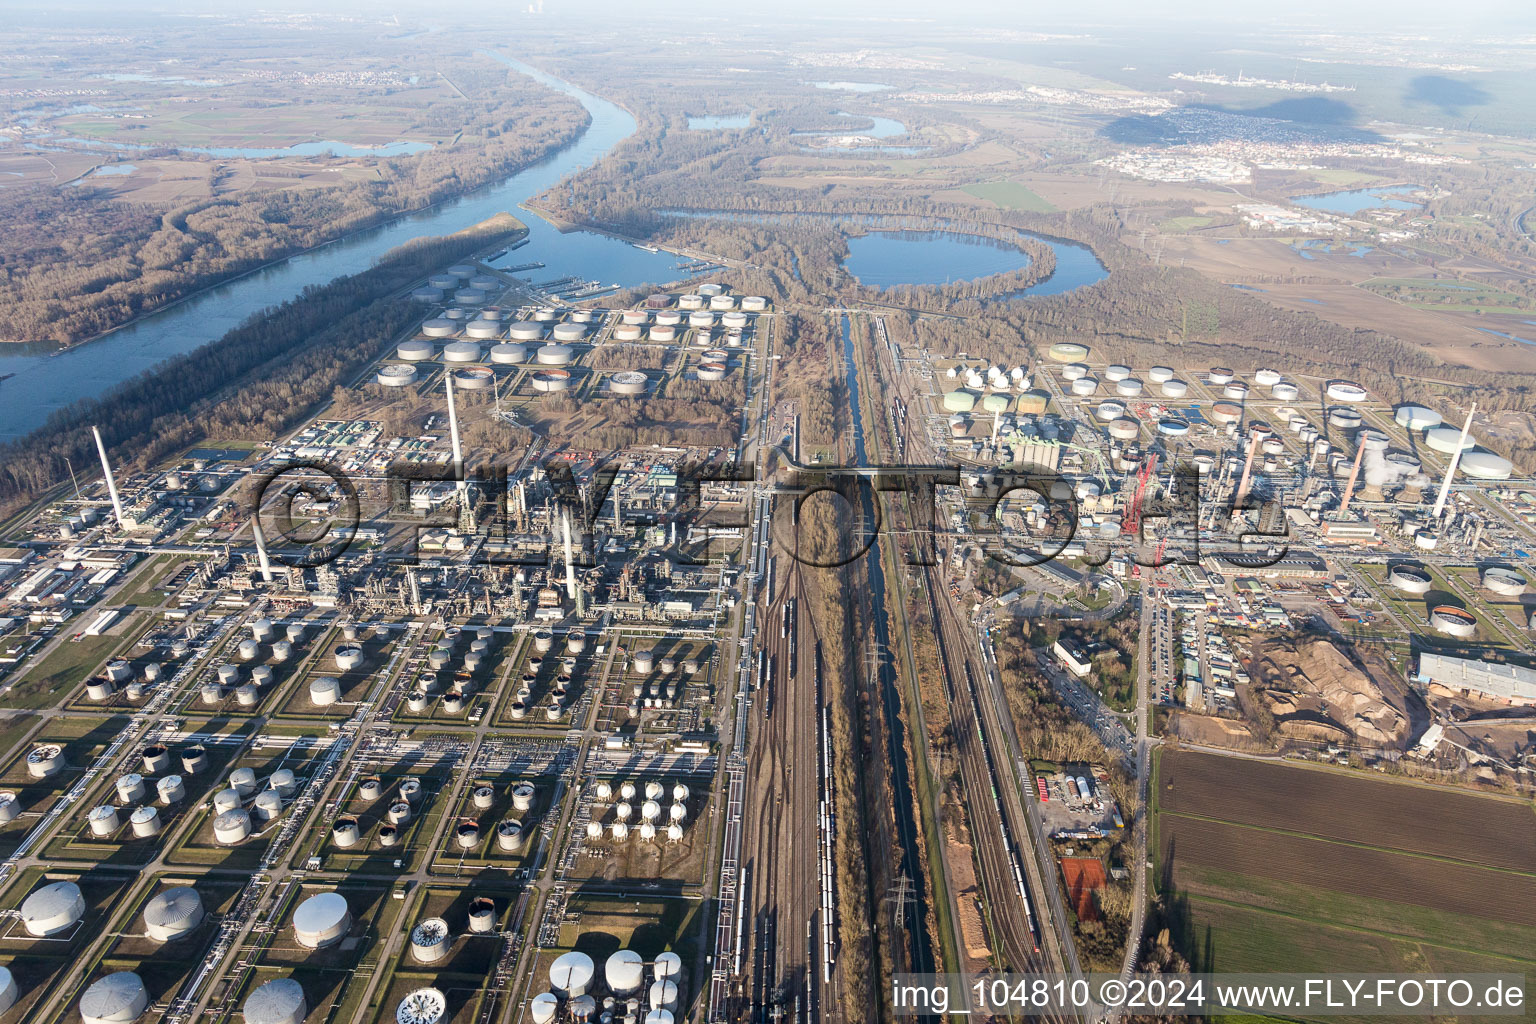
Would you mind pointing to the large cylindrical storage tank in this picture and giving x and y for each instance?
(8, 989)
(469, 296)
(549, 381)
(397, 375)
(663, 995)
(627, 332)
(690, 301)
(571, 974)
(482, 915)
(525, 330)
(53, 909)
(627, 382)
(701, 318)
(171, 790)
(1285, 391)
(157, 758)
(225, 800)
(173, 914)
(569, 332)
(508, 354)
(554, 355)
(625, 973)
(103, 820)
(645, 661)
(325, 690)
(712, 371)
(247, 695)
(439, 328)
(410, 790)
(285, 782)
(467, 834)
(427, 293)
(130, 788)
(322, 920)
(45, 760)
(415, 351)
(509, 835)
(668, 965)
(461, 352)
(282, 651)
(232, 826)
(522, 796)
(663, 332)
(116, 999)
(280, 1001)
(194, 759)
(1345, 391)
(430, 940)
(754, 303)
(144, 821)
(473, 378)
(345, 833)
(243, 781)
(99, 688)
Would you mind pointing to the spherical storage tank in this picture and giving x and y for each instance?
(116, 999)
(280, 1001)
(173, 914)
(397, 375)
(53, 909)
(571, 974)
(322, 920)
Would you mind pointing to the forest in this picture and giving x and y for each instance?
(75, 262)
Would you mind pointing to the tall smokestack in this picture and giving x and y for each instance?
(1450, 473)
(1349, 488)
(453, 434)
(106, 467)
(261, 545)
(1242, 487)
(570, 569)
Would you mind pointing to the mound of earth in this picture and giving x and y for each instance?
(1317, 690)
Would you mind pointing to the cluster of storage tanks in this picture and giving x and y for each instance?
(511, 833)
(440, 661)
(658, 693)
(244, 676)
(484, 337)
(651, 821)
(242, 806)
(432, 938)
(160, 783)
(562, 691)
(121, 676)
(403, 807)
(624, 996)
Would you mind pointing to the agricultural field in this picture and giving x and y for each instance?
(1266, 866)
(1010, 195)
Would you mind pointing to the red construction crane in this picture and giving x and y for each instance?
(1130, 521)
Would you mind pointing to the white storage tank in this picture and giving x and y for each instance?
(345, 833)
(522, 796)
(663, 995)
(173, 914)
(280, 1001)
(322, 920)
(482, 915)
(144, 821)
(171, 790)
(45, 760)
(415, 351)
(285, 782)
(103, 820)
(8, 989)
(509, 354)
(53, 909)
(571, 974)
(324, 691)
(116, 999)
(509, 835)
(130, 788)
(232, 826)
(397, 375)
(431, 940)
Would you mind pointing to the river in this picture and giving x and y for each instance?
(46, 379)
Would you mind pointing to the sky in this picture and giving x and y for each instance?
(1516, 17)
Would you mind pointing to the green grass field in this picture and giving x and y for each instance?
(1182, 224)
(1452, 296)
(1010, 195)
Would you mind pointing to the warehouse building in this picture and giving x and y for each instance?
(1511, 684)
